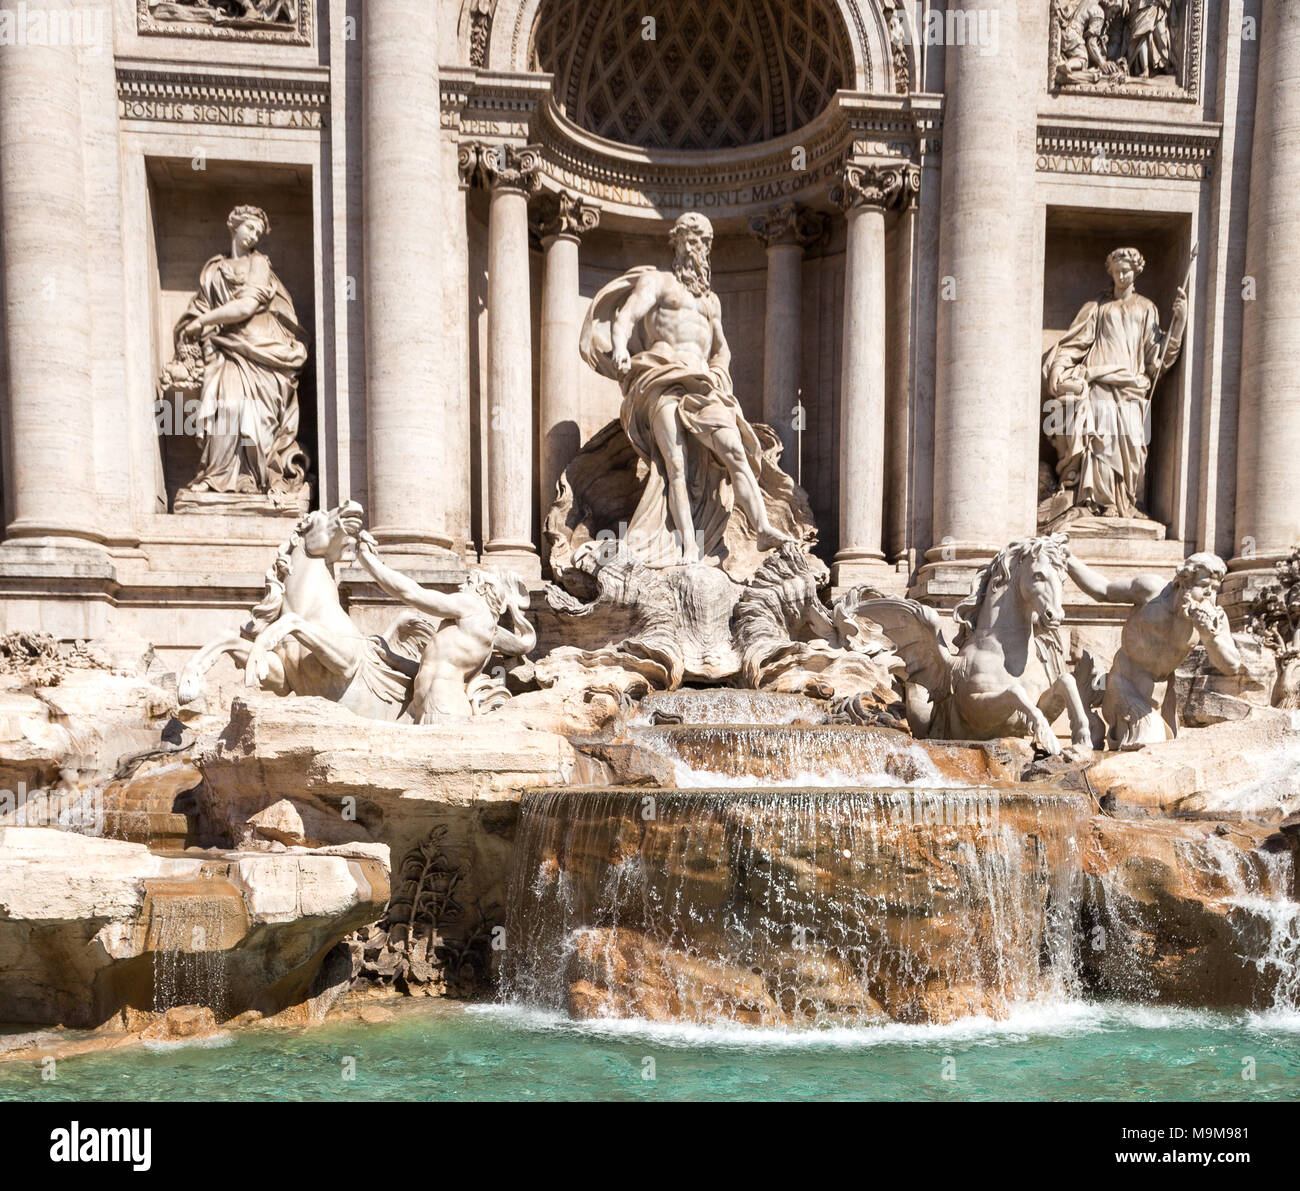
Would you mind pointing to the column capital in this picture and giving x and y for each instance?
(561, 213)
(466, 163)
(505, 167)
(789, 223)
(877, 186)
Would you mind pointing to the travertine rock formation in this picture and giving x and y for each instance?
(93, 925)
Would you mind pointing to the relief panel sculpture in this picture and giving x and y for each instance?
(1131, 46)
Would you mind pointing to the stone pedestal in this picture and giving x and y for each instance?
(247, 504)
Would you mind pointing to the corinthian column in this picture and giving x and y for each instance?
(563, 220)
(406, 420)
(1268, 447)
(864, 193)
(47, 311)
(986, 439)
(511, 177)
(785, 231)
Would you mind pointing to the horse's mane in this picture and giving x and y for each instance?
(997, 574)
(269, 607)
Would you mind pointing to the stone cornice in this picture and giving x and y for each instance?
(184, 97)
(510, 108)
(1081, 147)
(491, 104)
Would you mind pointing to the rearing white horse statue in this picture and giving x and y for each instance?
(983, 687)
(300, 640)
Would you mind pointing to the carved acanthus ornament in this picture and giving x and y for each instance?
(480, 29)
(878, 186)
(790, 223)
(507, 167)
(561, 213)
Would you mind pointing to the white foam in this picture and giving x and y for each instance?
(1050, 1019)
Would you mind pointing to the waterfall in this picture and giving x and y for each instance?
(1191, 913)
(792, 906)
(743, 755)
(727, 706)
(1267, 925)
(186, 925)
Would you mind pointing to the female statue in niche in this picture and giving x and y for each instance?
(243, 322)
(1100, 378)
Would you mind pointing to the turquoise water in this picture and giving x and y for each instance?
(439, 1051)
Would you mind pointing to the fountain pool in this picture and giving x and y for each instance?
(1064, 1051)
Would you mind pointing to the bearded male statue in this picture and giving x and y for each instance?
(1167, 621)
(659, 334)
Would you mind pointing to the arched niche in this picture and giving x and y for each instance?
(865, 28)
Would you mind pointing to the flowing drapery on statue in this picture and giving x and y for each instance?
(252, 352)
(704, 403)
(1101, 375)
(659, 334)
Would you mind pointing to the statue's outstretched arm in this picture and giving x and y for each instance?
(1118, 591)
(404, 588)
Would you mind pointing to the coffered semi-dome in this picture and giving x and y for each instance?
(717, 73)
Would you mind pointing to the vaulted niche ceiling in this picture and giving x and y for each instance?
(719, 73)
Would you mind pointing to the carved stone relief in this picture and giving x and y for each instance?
(243, 20)
(1129, 47)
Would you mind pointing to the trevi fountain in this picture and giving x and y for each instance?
(758, 538)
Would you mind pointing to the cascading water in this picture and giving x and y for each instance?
(792, 905)
(1267, 926)
(187, 925)
(727, 706)
(744, 755)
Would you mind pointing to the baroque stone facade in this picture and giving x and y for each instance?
(910, 204)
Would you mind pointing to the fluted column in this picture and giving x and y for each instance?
(1268, 447)
(785, 232)
(405, 412)
(983, 434)
(898, 411)
(43, 270)
(865, 193)
(563, 219)
(510, 174)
